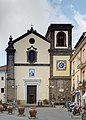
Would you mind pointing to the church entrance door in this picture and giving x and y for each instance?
(31, 94)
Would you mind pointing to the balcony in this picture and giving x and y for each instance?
(82, 85)
(81, 65)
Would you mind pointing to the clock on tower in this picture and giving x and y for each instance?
(61, 65)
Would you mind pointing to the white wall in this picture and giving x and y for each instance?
(2, 85)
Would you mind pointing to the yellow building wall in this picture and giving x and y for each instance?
(42, 73)
(78, 58)
(41, 45)
(57, 72)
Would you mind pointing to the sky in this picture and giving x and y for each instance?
(17, 16)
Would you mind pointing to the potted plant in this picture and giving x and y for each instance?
(10, 109)
(1, 108)
(33, 112)
(46, 102)
(21, 110)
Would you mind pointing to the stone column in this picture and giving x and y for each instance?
(10, 86)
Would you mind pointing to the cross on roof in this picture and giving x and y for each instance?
(32, 25)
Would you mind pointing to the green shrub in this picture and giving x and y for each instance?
(45, 101)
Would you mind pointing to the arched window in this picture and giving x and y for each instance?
(61, 39)
(31, 54)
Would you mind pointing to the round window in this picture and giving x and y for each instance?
(32, 40)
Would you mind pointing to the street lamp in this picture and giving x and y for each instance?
(61, 90)
(51, 86)
(13, 86)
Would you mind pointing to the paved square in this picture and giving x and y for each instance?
(44, 113)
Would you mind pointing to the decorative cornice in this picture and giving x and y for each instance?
(83, 36)
(60, 51)
(77, 50)
(26, 64)
(10, 79)
(60, 78)
(59, 27)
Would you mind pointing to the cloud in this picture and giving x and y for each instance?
(71, 6)
(80, 19)
(17, 16)
(55, 2)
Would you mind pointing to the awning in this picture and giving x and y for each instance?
(84, 96)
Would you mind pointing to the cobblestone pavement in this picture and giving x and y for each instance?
(43, 113)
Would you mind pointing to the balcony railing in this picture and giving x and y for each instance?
(81, 65)
(82, 85)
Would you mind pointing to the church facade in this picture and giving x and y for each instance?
(38, 67)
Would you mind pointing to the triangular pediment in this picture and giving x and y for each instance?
(31, 31)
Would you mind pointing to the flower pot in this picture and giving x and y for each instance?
(21, 110)
(33, 112)
(1, 108)
(10, 109)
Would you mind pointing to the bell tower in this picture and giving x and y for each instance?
(60, 37)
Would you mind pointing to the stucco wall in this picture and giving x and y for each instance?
(42, 73)
(57, 72)
(2, 85)
(22, 45)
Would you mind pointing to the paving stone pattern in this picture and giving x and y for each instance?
(43, 113)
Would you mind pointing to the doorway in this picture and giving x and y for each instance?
(31, 94)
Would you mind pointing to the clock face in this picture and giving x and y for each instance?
(61, 65)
